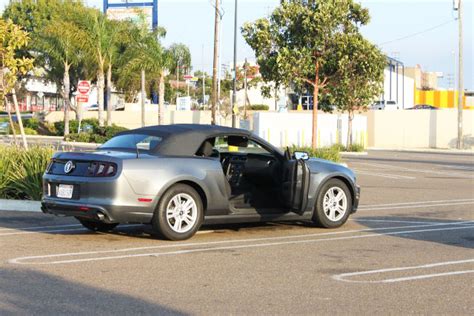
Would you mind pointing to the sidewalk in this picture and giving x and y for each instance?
(20, 205)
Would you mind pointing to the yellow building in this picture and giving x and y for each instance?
(442, 99)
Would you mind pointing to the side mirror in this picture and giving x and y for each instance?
(301, 155)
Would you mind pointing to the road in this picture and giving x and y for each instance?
(409, 249)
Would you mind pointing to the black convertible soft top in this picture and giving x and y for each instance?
(185, 139)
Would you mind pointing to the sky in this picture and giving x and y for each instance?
(393, 26)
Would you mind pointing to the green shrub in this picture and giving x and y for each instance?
(21, 171)
(356, 148)
(327, 153)
(32, 123)
(93, 134)
(258, 107)
(81, 137)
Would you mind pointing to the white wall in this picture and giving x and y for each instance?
(419, 129)
(295, 128)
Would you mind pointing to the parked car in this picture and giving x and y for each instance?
(423, 107)
(4, 127)
(384, 105)
(177, 177)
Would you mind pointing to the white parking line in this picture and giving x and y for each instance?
(383, 175)
(24, 260)
(346, 277)
(54, 229)
(394, 168)
(414, 206)
(38, 227)
(416, 202)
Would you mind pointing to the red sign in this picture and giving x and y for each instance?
(187, 77)
(82, 98)
(84, 87)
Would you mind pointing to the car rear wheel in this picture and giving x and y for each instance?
(333, 205)
(179, 214)
(97, 226)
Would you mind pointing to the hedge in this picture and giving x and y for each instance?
(329, 153)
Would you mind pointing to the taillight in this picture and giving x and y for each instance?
(101, 169)
(50, 164)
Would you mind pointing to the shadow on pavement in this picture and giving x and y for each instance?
(26, 292)
(455, 237)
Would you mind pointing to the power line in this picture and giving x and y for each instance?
(418, 33)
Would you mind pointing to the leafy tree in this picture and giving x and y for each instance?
(12, 38)
(359, 77)
(297, 43)
(181, 58)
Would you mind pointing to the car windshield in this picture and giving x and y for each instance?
(133, 142)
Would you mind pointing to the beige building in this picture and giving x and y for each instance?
(424, 80)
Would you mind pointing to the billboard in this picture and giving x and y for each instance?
(132, 10)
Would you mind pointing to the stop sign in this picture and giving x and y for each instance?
(84, 87)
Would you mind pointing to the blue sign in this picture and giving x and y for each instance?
(123, 5)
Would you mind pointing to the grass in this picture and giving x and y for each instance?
(21, 171)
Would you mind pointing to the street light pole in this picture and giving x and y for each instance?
(234, 92)
(215, 62)
(460, 78)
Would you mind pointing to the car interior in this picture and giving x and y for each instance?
(258, 180)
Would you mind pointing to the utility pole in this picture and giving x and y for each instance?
(143, 96)
(460, 78)
(203, 88)
(234, 92)
(215, 63)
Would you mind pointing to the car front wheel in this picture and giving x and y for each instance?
(179, 214)
(333, 206)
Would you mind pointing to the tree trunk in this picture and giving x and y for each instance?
(66, 89)
(314, 134)
(20, 121)
(11, 121)
(100, 95)
(161, 101)
(349, 130)
(109, 95)
(143, 96)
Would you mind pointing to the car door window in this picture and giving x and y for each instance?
(252, 148)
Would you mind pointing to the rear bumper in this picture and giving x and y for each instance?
(103, 213)
(355, 204)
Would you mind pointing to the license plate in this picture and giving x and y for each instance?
(65, 191)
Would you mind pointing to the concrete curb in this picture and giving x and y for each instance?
(59, 138)
(20, 206)
(426, 150)
(86, 145)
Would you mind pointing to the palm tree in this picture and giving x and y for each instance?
(60, 42)
(100, 43)
(146, 55)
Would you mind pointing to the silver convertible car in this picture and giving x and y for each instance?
(178, 177)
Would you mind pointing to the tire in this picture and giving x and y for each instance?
(97, 226)
(333, 209)
(179, 213)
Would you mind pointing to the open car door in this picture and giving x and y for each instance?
(296, 185)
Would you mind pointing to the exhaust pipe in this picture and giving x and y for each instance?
(100, 216)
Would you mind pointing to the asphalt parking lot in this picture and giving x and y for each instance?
(409, 249)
